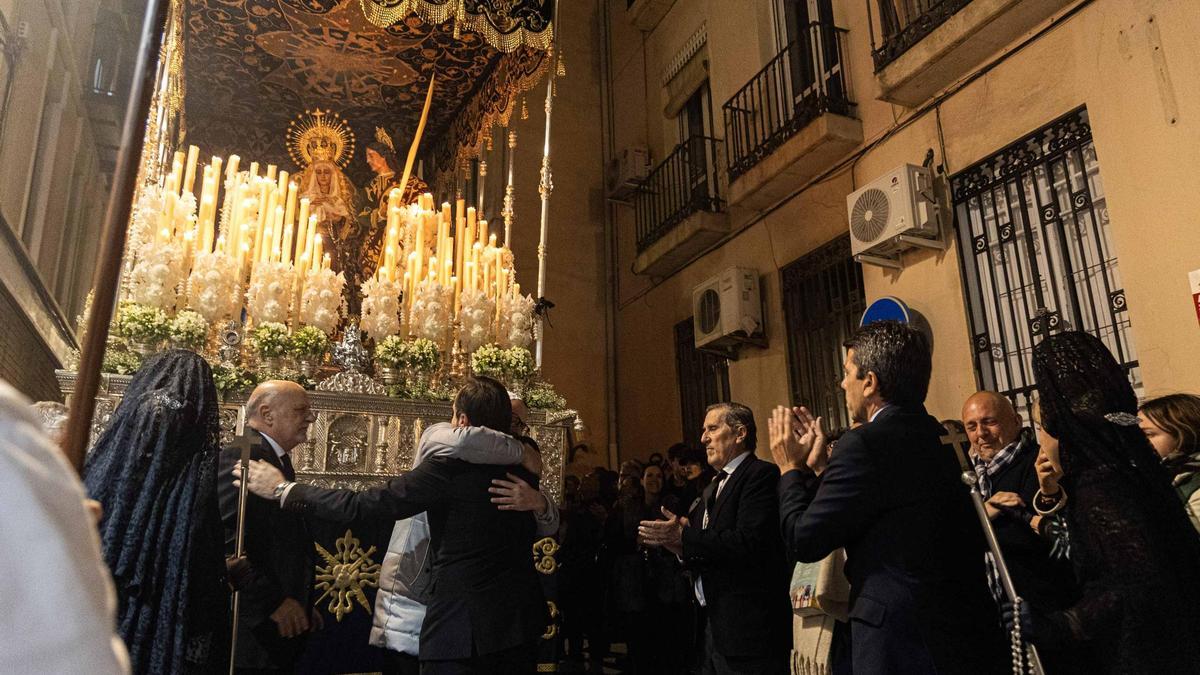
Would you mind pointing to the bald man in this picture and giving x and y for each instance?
(275, 612)
(1003, 454)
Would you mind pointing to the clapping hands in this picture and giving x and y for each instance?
(798, 441)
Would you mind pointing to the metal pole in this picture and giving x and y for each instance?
(545, 188)
(508, 212)
(116, 220)
(972, 481)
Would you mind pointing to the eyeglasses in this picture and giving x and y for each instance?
(519, 426)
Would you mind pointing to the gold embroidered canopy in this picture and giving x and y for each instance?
(252, 66)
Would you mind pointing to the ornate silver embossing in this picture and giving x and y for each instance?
(350, 353)
(348, 444)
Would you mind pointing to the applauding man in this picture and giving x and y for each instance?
(891, 496)
(730, 543)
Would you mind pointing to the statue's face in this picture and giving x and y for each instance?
(376, 161)
(324, 173)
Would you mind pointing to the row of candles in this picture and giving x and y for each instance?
(262, 220)
(457, 253)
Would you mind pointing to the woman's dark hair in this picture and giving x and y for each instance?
(387, 154)
(485, 402)
(1179, 416)
(900, 357)
(738, 415)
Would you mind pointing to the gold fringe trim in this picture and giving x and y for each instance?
(439, 12)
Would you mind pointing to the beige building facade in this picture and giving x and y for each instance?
(63, 77)
(1089, 214)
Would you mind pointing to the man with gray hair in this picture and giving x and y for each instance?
(730, 543)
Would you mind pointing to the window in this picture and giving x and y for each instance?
(823, 302)
(1037, 254)
(703, 380)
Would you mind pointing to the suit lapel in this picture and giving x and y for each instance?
(730, 484)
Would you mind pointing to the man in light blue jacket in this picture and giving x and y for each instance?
(405, 575)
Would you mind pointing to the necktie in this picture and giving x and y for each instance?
(711, 502)
(288, 471)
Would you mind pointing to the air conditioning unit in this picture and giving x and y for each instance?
(727, 310)
(627, 172)
(893, 213)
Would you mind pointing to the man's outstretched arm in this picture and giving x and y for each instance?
(404, 496)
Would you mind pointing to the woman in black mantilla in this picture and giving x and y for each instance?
(154, 471)
(1134, 551)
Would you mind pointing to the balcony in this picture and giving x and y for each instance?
(792, 120)
(679, 210)
(920, 47)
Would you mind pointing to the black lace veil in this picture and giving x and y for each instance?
(154, 470)
(1133, 546)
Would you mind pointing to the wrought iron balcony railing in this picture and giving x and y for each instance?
(904, 23)
(805, 80)
(682, 184)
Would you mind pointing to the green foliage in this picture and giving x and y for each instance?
(142, 323)
(309, 342)
(233, 380)
(420, 355)
(271, 339)
(118, 358)
(513, 366)
(541, 394)
(189, 329)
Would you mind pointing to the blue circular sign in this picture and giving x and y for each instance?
(886, 309)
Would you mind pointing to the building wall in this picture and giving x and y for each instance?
(1145, 118)
(576, 355)
(53, 189)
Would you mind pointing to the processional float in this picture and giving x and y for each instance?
(228, 258)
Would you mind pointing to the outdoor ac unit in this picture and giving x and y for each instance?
(626, 173)
(895, 212)
(727, 309)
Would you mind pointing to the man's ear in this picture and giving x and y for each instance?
(740, 435)
(870, 384)
(461, 420)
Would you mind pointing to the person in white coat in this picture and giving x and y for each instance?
(404, 577)
(59, 603)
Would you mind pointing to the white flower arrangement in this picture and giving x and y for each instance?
(271, 339)
(431, 311)
(321, 301)
(158, 274)
(475, 315)
(309, 342)
(269, 296)
(421, 355)
(145, 217)
(516, 321)
(189, 329)
(142, 323)
(380, 308)
(213, 286)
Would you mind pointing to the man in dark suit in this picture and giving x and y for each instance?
(892, 496)
(487, 611)
(730, 542)
(274, 610)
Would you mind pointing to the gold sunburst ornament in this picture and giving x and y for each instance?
(345, 575)
(320, 135)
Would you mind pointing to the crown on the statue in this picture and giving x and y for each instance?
(320, 135)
